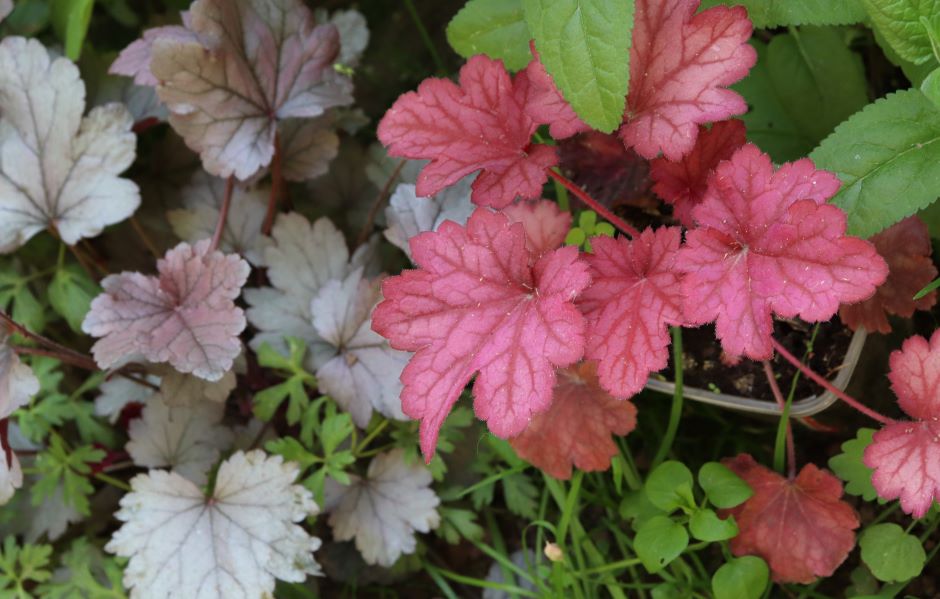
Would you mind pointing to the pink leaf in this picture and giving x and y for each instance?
(801, 528)
(235, 70)
(545, 104)
(546, 226)
(906, 248)
(767, 243)
(680, 64)
(476, 305)
(683, 183)
(186, 316)
(906, 455)
(576, 430)
(635, 293)
(479, 125)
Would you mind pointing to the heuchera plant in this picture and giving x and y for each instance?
(239, 347)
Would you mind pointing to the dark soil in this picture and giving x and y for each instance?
(705, 365)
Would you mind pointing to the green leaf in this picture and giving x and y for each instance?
(637, 508)
(931, 87)
(741, 578)
(886, 157)
(496, 28)
(659, 541)
(70, 467)
(521, 495)
(27, 310)
(458, 524)
(21, 566)
(28, 18)
(849, 466)
(585, 46)
(766, 14)
(891, 554)
(70, 294)
(70, 19)
(91, 574)
(669, 486)
(900, 22)
(722, 486)
(932, 286)
(336, 428)
(705, 525)
(817, 78)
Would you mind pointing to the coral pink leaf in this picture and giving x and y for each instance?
(680, 64)
(906, 248)
(477, 304)
(635, 293)
(576, 430)
(479, 125)
(915, 376)
(186, 316)
(906, 459)
(546, 226)
(544, 102)
(237, 69)
(683, 183)
(802, 528)
(767, 243)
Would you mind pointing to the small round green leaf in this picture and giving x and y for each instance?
(705, 525)
(723, 488)
(891, 554)
(741, 578)
(659, 541)
(669, 486)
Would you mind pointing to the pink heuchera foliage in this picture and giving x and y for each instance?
(680, 65)
(635, 293)
(683, 183)
(480, 302)
(576, 430)
(905, 455)
(906, 248)
(800, 527)
(544, 102)
(185, 316)
(479, 125)
(768, 243)
(546, 226)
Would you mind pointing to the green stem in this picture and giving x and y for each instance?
(114, 482)
(675, 412)
(425, 37)
(371, 437)
(784, 430)
(476, 582)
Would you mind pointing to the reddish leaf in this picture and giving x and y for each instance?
(680, 64)
(479, 125)
(801, 528)
(477, 305)
(906, 248)
(610, 173)
(635, 293)
(683, 183)
(545, 104)
(576, 430)
(767, 243)
(906, 455)
(546, 226)
(186, 316)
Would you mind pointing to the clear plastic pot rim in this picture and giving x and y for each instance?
(807, 406)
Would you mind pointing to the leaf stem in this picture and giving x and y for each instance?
(593, 204)
(277, 181)
(675, 412)
(822, 382)
(22, 330)
(379, 200)
(114, 482)
(425, 37)
(784, 422)
(144, 238)
(223, 214)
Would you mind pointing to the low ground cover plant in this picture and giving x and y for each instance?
(540, 299)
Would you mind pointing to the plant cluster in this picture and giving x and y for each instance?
(207, 391)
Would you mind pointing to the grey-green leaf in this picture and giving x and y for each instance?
(496, 28)
(899, 21)
(887, 157)
(585, 46)
(776, 13)
(890, 553)
(741, 578)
